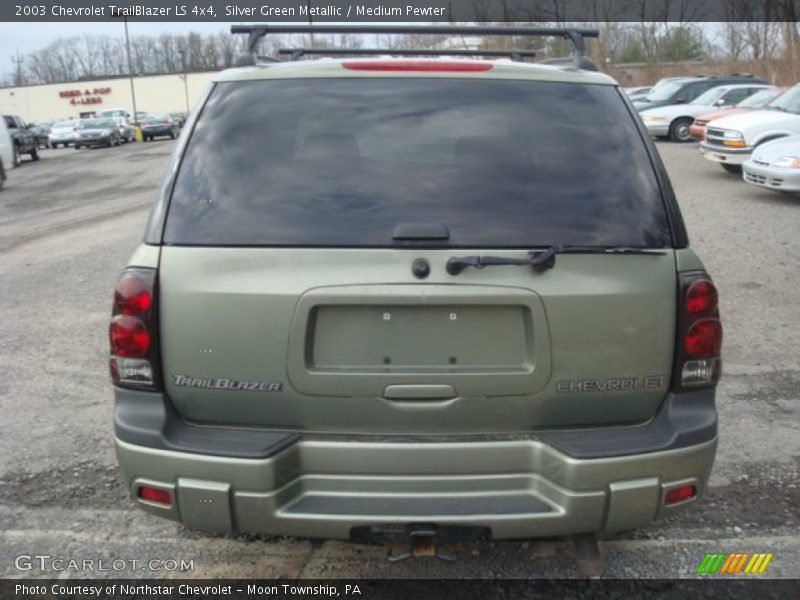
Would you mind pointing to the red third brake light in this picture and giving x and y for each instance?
(416, 65)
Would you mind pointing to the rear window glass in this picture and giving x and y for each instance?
(343, 162)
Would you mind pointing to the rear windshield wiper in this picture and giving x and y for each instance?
(539, 260)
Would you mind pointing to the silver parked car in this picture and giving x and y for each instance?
(775, 165)
(674, 120)
(63, 133)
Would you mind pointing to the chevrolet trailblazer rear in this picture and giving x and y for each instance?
(385, 294)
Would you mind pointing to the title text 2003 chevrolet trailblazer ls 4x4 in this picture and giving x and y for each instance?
(377, 293)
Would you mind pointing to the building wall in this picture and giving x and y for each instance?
(157, 93)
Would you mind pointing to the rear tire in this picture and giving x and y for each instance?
(172, 135)
(35, 153)
(17, 158)
(735, 169)
(2, 175)
(679, 130)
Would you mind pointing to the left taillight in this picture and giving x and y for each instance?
(132, 333)
(699, 334)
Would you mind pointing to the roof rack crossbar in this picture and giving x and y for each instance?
(574, 35)
(297, 53)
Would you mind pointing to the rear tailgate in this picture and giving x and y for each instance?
(349, 341)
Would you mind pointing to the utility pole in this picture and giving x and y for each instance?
(185, 78)
(18, 60)
(130, 67)
(310, 22)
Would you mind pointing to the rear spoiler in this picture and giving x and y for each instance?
(574, 35)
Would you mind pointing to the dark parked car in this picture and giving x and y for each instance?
(42, 133)
(154, 126)
(24, 139)
(97, 132)
(179, 118)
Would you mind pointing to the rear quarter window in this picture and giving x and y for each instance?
(342, 162)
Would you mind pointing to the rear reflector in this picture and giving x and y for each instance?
(679, 494)
(156, 495)
(416, 65)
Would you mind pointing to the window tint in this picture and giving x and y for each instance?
(760, 98)
(342, 162)
(789, 101)
(737, 95)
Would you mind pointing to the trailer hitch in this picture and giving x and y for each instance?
(416, 540)
(421, 542)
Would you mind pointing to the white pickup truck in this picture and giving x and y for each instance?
(731, 140)
(6, 152)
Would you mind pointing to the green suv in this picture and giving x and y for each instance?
(382, 294)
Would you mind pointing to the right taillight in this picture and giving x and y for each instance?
(132, 333)
(699, 334)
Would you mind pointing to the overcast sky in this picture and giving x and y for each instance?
(25, 37)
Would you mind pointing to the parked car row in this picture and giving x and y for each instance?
(104, 128)
(743, 124)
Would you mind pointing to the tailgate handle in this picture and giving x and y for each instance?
(419, 392)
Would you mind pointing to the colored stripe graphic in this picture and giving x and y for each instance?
(710, 563)
(741, 562)
(732, 563)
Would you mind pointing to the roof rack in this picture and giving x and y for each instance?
(297, 53)
(574, 35)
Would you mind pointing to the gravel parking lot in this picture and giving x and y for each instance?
(69, 223)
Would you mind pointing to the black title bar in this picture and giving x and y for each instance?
(556, 12)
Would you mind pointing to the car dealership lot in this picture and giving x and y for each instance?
(68, 223)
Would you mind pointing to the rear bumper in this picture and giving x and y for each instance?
(157, 131)
(517, 486)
